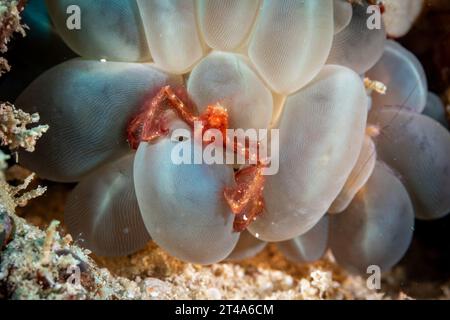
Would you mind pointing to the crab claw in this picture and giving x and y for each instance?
(246, 199)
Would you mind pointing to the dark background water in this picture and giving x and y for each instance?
(428, 258)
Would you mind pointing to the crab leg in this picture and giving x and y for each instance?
(246, 199)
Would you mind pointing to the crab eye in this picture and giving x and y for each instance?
(182, 139)
(180, 135)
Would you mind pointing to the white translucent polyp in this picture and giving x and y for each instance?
(358, 178)
(358, 47)
(321, 134)
(376, 229)
(183, 206)
(400, 15)
(435, 109)
(342, 14)
(404, 77)
(418, 148)
(226, 78)
(247, 247)
(291, 42)
(309, 247)
(109, 29)
(172, 35)
(87, 105)
(225, 24)
(102, 211)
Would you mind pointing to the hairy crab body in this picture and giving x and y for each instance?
(246, 200)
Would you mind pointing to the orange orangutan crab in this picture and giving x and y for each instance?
(246, 198)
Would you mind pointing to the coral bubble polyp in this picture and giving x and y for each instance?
(358, 160)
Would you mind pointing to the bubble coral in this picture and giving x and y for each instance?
(354, 165)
